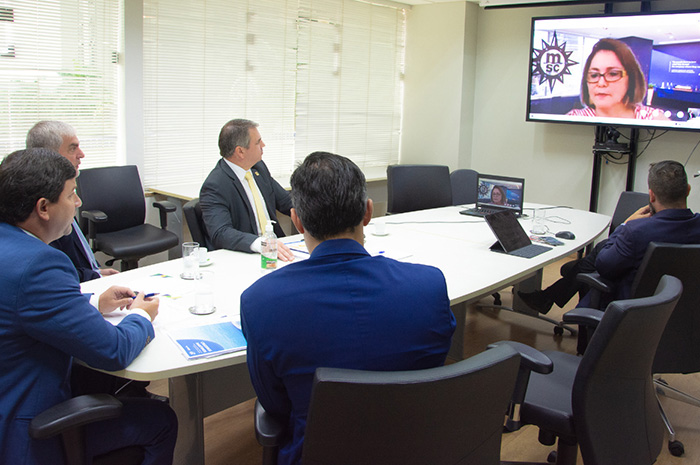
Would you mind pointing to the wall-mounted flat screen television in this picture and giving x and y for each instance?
(620, 70)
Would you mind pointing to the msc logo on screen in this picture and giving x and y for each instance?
(551, 62)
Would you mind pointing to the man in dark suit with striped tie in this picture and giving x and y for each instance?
(61, 137)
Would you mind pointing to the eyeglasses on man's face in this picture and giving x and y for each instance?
(613, 75)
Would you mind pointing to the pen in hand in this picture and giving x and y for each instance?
(147, 296)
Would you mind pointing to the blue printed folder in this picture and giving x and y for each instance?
(209, 340)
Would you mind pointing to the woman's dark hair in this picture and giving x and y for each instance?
(637, 87)
(502, 190)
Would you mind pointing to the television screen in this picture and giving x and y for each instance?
(620, 70)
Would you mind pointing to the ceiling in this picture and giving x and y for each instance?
(482, 2)
(487, 3)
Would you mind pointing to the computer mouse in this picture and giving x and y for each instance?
(565, 235)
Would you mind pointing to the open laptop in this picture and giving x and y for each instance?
(512, 238)
(497, 193)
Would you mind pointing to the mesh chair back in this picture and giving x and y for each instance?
(679, 349)
(115, 190)
(463, 184)
(417, 187)
(614, 404)
(445, 415)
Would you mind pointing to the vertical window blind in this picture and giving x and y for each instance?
(59, 60)
(315, 74)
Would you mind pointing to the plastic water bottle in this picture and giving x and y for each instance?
(268, 257)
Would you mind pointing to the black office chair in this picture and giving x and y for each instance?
(195, 222)
(463, 183)
(114, 213)
(417, 187)
(445, 415)
(603, 402)
(628, 203)
(679, 349)
(69, 420)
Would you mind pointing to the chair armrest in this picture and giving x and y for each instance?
(583, 316)
(599, 287)
(530, 360)
(595, 281)
(94, 217)
(268, 429)
(72, 413)
(165, 207)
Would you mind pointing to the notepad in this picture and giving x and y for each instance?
(298, 248)
(208, 340)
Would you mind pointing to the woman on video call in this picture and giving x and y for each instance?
(613, 84)
(498, 195)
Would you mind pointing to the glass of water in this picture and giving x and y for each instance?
(190, 260)
(204, 294)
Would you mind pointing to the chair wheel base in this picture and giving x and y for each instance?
(676, 448)
(558, 331)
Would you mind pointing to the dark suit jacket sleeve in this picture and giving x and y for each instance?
(71, 246)
(617, 258)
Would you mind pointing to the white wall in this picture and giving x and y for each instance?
(432, 124)
(555, 159)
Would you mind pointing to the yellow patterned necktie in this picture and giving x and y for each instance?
(262, 217)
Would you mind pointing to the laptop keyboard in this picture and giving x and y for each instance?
(479, 211)
(530, 251)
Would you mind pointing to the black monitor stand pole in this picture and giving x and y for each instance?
(606, 142)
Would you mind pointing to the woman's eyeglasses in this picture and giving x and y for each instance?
(613, 75)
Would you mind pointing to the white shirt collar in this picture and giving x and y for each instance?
(237, 170)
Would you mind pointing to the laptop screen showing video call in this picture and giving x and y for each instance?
(500, 192)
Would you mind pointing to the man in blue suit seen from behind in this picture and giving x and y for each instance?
(45, 321)
(239, 197)
(341, 307)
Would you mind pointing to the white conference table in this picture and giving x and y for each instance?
(456, 244)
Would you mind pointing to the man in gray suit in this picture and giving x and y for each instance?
(239, 197)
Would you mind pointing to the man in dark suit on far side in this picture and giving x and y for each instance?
(239, 197)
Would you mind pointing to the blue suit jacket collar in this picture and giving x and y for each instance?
(333, 247)
(675, 213)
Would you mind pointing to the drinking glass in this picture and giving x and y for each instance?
(204, 294)
(190, 260)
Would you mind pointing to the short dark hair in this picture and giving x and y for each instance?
(27, 176)
(637, 87)
(235, 133)
(669, 181)
(329, 194)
